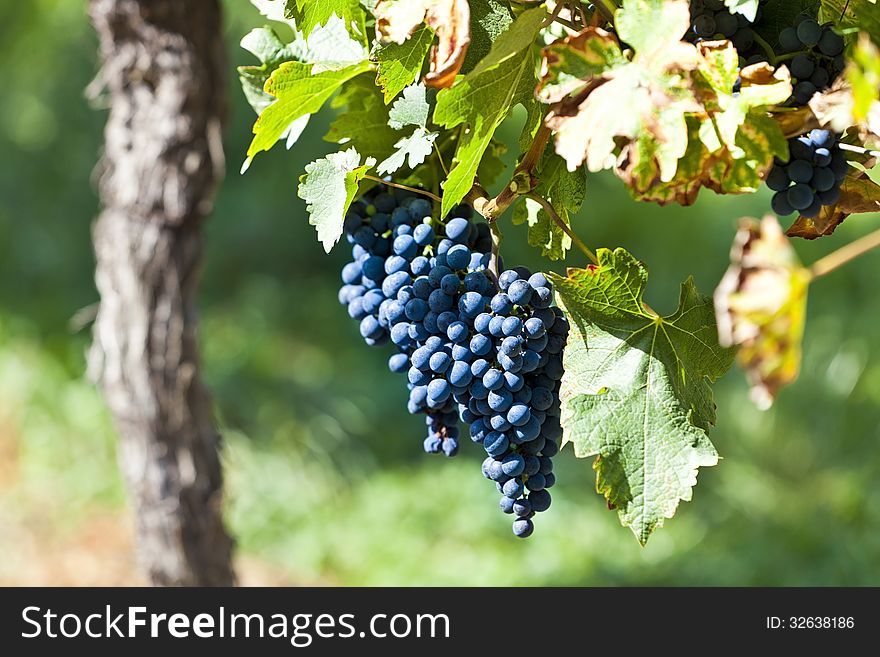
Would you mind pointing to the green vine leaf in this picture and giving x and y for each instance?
(364, 122)
(300, 92)
(565, 190)
(863, 15)
(489, 20)
(636, 392)
(328, 187)
(400, 64)
(748, 8)
(411, 150)
(265, 44)
(309, 14)
(413, 108)
(484, 98)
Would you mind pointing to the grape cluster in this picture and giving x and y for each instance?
(512, 400)
(485, 351)
(710, 19)
(819, 59)
(812, 176)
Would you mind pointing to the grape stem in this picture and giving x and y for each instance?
(765, 47)
(554, 14)
(789, 55)
(607, 8)
(414, 190)
(497, 236)
(492, 208)
(858, 149)
(845, 254)
(564, 227)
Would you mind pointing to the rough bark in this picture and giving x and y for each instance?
(163, 73)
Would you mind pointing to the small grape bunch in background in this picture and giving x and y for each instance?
(816, 56)
(812, 176)
(710, 19)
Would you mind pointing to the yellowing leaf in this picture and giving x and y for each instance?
(601, 97)
(761, 306)
(858, 193)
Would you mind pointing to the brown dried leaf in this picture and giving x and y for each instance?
(451, 20)
(397, 20)
(760, 307)
(858, 194)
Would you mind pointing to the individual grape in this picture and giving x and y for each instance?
(830, 43)
(780, 205)
(523, 527)
(800, 196)
(788, 39)
(778, 179)
(809, 32)
(704, 26)
(726, 24)
(799, 171)
(803, 92)
(802, 67)
(820, 78)
(830, 197)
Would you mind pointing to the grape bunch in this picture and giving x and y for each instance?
(484, 351)
(819, 59)
(812, 176)
(512, 400)
(710, 19)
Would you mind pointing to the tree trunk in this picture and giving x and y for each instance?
(163, 69)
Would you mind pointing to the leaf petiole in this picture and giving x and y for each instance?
(565, 228)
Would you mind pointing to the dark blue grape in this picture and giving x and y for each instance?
(523, 527)
(809, 32)
(830, 43)
(788, 39)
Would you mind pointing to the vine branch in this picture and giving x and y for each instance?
(845, 254)
(492, 208)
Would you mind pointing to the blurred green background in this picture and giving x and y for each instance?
(327, 482)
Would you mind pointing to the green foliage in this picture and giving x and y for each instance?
(489, 20)
(668, 116)
(299, 92)
(328, 187)
(566, 191)
(635, 391)
(401, 64)
(863, 15)
(308, 14)
(748, 8)
(363, 123)
(264, 43)
(484, 98)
